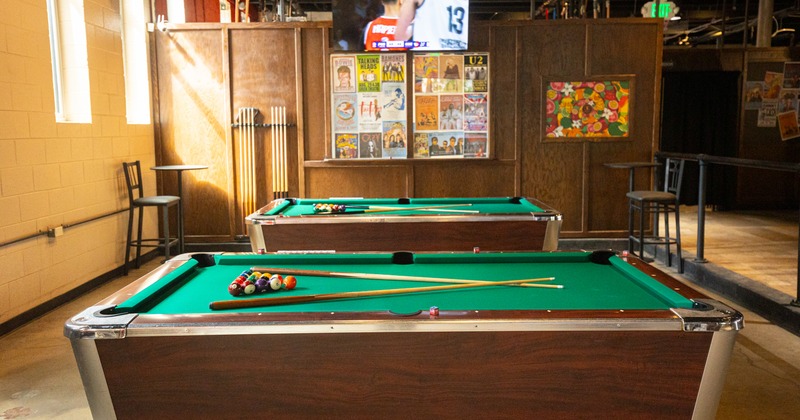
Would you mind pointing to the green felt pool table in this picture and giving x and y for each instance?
(488, 223)
(620, 338)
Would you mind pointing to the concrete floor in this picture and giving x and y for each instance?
(39, 378)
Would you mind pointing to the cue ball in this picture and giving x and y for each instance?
(289, 282)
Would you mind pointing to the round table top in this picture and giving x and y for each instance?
(178, 167)
(628, 165)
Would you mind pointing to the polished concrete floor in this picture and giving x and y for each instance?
(39, 377)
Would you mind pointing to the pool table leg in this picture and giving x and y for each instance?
(714, 374)
(93, 378)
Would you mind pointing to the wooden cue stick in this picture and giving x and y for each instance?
(249, 303)
(274, 158)
(373, 276)
(284, 155)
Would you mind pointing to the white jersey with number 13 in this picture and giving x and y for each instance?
(443, 24)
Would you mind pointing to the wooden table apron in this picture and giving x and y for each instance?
(531, 226)
(462, 363)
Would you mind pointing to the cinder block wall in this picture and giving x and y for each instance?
(55, 174)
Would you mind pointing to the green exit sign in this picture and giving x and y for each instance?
(665, 9)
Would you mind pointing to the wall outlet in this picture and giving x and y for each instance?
(55, 232)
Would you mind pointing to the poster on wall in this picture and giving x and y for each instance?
(787, 123)
(368, 98)
(767, 114)
(451, 105)
(590, 108)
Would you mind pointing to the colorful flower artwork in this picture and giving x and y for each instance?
(587, 109)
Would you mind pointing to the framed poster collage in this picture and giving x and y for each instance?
(449, 106)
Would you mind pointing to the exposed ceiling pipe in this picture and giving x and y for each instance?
(764, 26)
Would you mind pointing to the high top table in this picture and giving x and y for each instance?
(179, 170)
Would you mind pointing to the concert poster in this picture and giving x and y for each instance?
(393, 68)
(369, 112)
(421, 145)
(344, 74)
(451, 112)
(368, 72)
(426, 112)
(394, 139)
(345, 113)
(426, 73)
(476, 145)
(370, 146)
(346, 146)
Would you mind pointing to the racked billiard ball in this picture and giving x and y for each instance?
(235, 289)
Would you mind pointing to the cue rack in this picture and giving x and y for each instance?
(246, 162)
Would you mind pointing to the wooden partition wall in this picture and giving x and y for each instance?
(204, 73)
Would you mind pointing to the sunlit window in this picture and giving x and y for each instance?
(134, 51)
(69, 59)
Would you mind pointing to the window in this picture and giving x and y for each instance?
(134, 53)
(69, 59)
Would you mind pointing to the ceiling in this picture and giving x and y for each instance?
(702, 21)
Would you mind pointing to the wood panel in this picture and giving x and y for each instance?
(503, 79)
(263, 75)
(607, 206)
(361, 181)
(316, 100)
(465, 179)
(191, 113)
(496, 374)
(552, 172)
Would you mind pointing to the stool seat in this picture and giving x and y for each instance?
(156, 200)
(656, 202)
(660, 196)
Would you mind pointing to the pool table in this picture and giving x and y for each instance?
(488, 223)
(620, 338)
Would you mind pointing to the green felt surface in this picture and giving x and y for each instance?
(303, 207)
(587, 285)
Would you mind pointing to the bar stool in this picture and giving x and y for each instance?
(136, 199)
(656, 203)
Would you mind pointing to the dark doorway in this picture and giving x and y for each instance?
(699, 114)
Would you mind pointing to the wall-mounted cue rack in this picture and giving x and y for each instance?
(246, 162)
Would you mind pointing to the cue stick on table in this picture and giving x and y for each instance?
(250, 303)
(372, 276)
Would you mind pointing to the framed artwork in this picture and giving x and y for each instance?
(593, 109)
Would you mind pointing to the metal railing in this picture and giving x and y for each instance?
(703, 161)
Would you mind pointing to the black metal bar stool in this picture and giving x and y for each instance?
(656, 203)
(136, 199)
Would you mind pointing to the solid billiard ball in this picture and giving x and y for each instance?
(289, 283)
(235, 289)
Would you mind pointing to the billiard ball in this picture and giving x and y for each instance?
(249, 288)
(289, 282)
(275, 281)
(235, 289)
(262, 285)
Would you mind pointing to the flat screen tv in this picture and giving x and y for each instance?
(400, 25)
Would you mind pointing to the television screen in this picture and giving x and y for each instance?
(400, 25)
